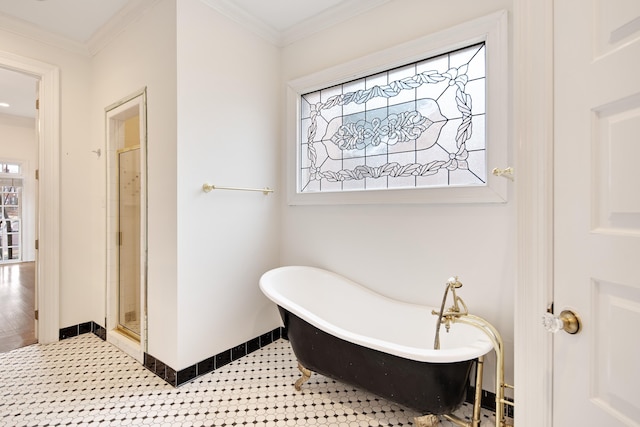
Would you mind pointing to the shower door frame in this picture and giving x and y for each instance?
(120, 325)
(115, 115)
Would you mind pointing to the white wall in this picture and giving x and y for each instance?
(78, 281)
(406, 252)
(213, 117)
(144, 55)
(19, 143)
(228, 134)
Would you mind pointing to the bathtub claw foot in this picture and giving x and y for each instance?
(426, 421)
(306, 374)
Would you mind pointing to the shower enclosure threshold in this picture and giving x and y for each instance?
(125, 343)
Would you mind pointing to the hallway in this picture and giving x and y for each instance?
(17, 304)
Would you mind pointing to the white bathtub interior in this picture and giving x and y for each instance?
(354, 313)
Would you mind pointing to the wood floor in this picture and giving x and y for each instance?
(17, 304)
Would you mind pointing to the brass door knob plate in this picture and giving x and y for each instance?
(568, 321)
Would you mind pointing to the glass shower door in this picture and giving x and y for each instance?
(129, 242)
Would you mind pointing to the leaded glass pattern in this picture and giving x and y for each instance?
(417, 126)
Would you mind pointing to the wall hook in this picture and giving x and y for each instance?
(98, 152)
(506, 173)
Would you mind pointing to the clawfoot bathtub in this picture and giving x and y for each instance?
(347, 332)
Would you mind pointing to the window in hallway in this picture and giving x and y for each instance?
(10, 212)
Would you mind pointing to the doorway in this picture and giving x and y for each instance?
(18, 207)
(126, 224)
(17, 226)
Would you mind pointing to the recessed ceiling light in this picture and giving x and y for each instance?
(4, 104)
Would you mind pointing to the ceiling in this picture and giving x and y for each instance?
(74, 19)
(78, 22)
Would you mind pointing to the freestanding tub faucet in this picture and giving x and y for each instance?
(456, 314)
(454, 311)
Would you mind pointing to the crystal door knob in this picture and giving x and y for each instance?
(567, 321)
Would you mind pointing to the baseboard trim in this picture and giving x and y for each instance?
(488, 401)
(183, 376)
(83, 328)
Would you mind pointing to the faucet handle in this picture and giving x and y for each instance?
(454, 282)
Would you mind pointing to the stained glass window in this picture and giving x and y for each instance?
(417, 126)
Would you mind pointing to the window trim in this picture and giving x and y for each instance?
(11, 162)
(492, 30)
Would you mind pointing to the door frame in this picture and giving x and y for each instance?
(48, 226)
(534, 140)
(113, 115)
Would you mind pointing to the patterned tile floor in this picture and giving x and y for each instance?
(84, 381)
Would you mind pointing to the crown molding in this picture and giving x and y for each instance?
(327, 19)
(135, 9)
(229, 9)
(27, 30)
(320, 22)
(128, 15)
(17, 121)
(115, 26)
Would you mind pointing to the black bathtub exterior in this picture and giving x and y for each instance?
(428, 388)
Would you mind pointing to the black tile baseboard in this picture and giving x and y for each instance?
(100, 331)
(83, 328)
(167, 373)
(178, 378)
(488, 401)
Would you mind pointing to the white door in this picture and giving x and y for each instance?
(597, 211)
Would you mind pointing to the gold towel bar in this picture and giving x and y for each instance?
(208, 187)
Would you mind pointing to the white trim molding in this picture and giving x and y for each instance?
(33, 32)
(333, 16)
(115, 116)
(48, 258)
(117, 24)
(323, 20)
(122, 20)
(533, 84)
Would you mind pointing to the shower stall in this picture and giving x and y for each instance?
(126, 225)
(129, 255)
